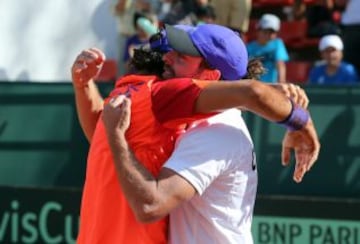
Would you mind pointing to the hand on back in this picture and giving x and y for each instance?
(294, 92)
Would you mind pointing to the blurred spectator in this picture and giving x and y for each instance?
(189, 12)
(124, 10)
(145, 25)
(205, 14)
(177, 12)
(270, 49)
(332, 70)
(320, 19)
(234, 14)
(351, 33)
(296, 11)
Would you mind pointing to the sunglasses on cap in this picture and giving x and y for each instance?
(159, 42)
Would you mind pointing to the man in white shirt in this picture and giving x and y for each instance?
(216, 157)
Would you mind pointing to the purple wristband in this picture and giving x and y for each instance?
(297, 119)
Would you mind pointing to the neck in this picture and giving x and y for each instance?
(331, 69)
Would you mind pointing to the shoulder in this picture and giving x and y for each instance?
(171, 84)
(349, 70)
(316, 71)
(228, 127)
(320, 67)
(135, 79)
(175, 98)
(348, 67)
(132, 38)
(278, 41)
(177, 85)
(251, 45)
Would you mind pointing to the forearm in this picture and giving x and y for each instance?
(267, 102)
(89, 104)
(252, 95)
(138, 184)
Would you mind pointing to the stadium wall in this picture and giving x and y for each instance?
(40, 38)
(43, 156)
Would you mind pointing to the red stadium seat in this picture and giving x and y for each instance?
(271, 3)
(308, 2)
(298, 71)
(294, 34)
(108, 71)
(251, 33)
(292, 31)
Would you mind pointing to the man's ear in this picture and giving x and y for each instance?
(211, 74)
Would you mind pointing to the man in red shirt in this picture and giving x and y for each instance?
(105, 214)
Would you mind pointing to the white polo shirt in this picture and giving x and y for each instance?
(216, 157)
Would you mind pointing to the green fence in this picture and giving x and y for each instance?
(41, 143)
(43, 156)
(336, 114)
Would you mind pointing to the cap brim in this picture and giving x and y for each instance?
(180, 41)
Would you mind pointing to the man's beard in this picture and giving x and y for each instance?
(168, 72)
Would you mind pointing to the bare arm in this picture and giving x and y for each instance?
(150, 198)
(201, 97)
(271, 104)
(252, 95)
(89, 102)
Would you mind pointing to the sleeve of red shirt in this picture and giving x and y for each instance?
(173, 100)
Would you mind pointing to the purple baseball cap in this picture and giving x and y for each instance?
(159, 41)
(221, 47)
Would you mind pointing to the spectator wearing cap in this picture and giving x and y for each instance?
(124, 11)
(205, 15)
(332, 69)
(270, 48)
(145, 25)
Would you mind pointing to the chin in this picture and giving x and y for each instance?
(334, 63)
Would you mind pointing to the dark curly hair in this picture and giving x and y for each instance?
(255, 69)
(147, 62)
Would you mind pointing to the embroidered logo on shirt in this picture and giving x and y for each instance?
(126, 89)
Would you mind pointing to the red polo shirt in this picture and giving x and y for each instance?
(106, 217)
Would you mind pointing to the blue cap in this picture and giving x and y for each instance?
(221, 47)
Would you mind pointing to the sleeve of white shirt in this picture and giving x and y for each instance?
(203, 154)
